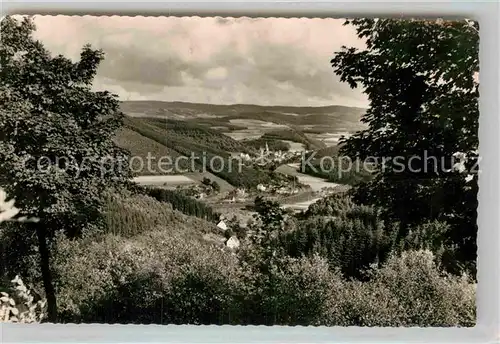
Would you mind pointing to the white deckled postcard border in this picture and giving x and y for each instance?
(488, 301)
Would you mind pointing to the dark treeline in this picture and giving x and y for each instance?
(183, 203)
(273, 144)
(353, 237)
(351, 241)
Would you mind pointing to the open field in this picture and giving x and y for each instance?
(330, 139)
(289, 169)
(142, 147)
(295, 146)
(316, 183)
(299, 206)
(198, 177)
(162, 180)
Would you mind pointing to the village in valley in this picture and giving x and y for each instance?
(295, 191)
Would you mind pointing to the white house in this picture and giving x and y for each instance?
(233, 242)
(222, 225)
(245, 156)
(261, 187)
(229, 200)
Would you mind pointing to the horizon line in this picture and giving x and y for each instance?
(242, 104)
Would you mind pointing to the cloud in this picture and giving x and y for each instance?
(216, 73)
(243, 60)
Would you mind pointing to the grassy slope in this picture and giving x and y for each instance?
(294, 136)
(129, 215)
(288, 170)
(182, 130)
(200, 146)
(139, 146)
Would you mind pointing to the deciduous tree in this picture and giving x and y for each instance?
(419, 76)
(56, 152)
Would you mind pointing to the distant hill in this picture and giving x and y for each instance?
(147, 106)
(318, 118)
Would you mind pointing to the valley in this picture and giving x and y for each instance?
(227, 155)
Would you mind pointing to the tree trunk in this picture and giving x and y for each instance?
(50, 293)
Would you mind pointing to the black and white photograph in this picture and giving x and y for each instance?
(239, 171)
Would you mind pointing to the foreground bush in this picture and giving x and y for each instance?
(157, 277)
(162, 278)
(408, 291)
(293, 292)
(172, 276)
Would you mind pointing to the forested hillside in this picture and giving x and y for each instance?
(184, 139)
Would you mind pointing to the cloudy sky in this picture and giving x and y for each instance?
(268, 61)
